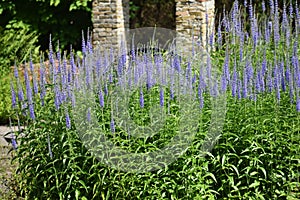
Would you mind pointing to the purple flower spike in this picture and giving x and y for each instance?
(250, 11)
(68, 121)
(288, 74)
(57, 99)
(226, 67)
(31, 111)
(272, 6)
(20, 93)
(291, 11)
(176, 63)
(141, 99)
(28, 87)
(112, 125)
(223, 84)
(298, 104)
(101, 99)
(188, 71)
(245, 85)
(284, 16)
(83, 45)
(270, 82)
(219, 38)
(257, 83)
(263, 5)
(89, 42)
(51, 59)
(277, 83)
(282, 79)
(14, 142)
(161, 97)
(239, 85)
(13, 96)
(200, 95)
(88, 115)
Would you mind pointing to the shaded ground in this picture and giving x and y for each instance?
(8, 187)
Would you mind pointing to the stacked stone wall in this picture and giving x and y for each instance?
(195, 20)
(111, 19)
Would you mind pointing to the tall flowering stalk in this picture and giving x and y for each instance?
(245, 84)
(141, 98)
(42, 83)
(297, 102)
(161, 97)
(101, 98)
(277, 82)
(112, 125)
(29, 94)
(34, 80)
(13, 95)
(68, 120)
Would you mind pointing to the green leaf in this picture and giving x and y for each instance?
(223, 160)
(83, 184)
(54, 2)
(264, 171)
(255, 184)
(235, 169)
(77, 194)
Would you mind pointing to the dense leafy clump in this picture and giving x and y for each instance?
(17, 43)
(254, 63)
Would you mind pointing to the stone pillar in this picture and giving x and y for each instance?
(194, 19)
(110, 19)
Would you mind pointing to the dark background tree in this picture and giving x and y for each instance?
(63, 19)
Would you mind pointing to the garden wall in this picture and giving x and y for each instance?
(191, 20)
(111, 18)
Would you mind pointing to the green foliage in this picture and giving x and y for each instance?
(73, 173)
(64, 20)
(17, 43)
(5, 99)
(76, 5)
(253, 158)
(6, 5)
(256, 158)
